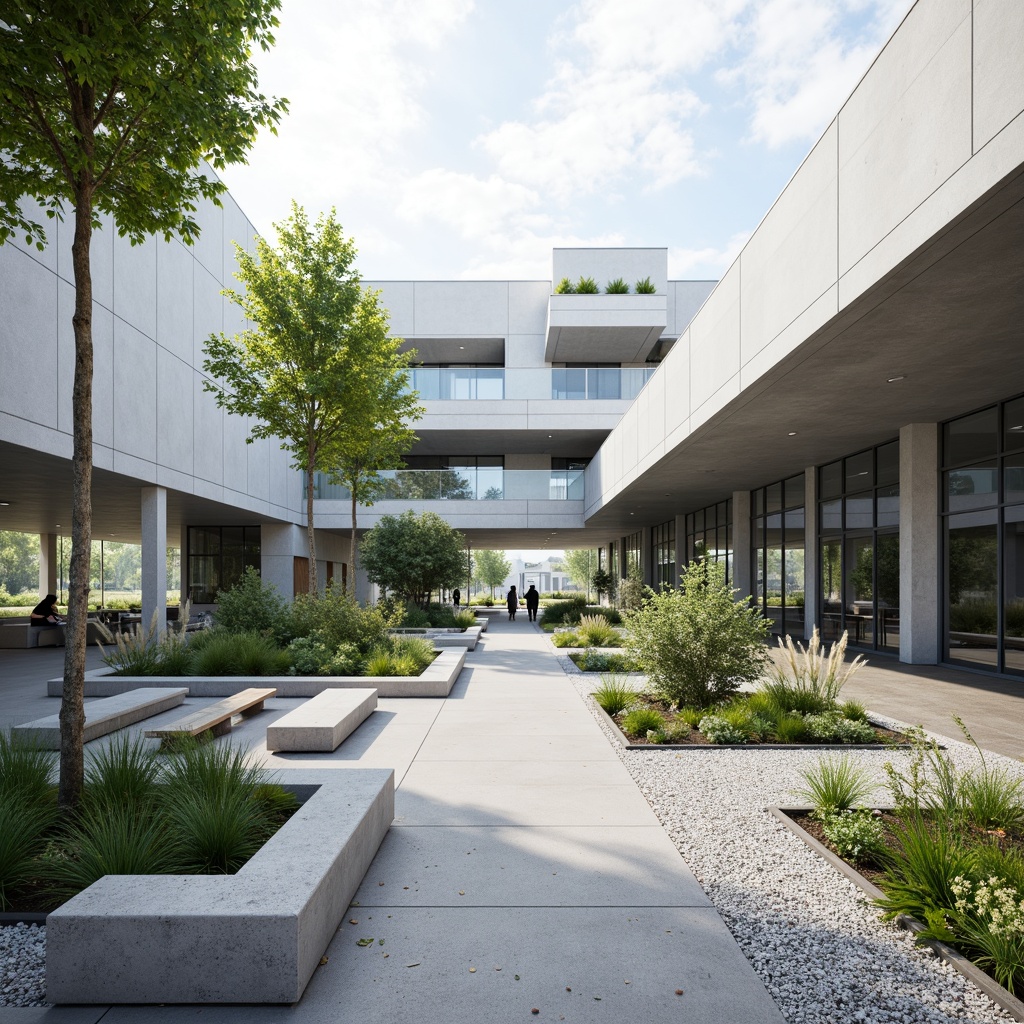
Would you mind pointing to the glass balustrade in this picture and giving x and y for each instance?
(482, 383)
(486, 483)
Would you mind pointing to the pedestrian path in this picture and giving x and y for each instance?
(524, 871)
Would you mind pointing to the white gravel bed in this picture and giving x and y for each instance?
(813, 938)
(22, 965)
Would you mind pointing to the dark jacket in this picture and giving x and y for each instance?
(532, 598)
(512, 600)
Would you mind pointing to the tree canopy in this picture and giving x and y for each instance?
(412, 555)
(300, 372)
(581, 564)
(111, 108)
(491, 568)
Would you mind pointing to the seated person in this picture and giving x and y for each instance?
(45, 613)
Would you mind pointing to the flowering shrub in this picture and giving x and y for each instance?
(856, 835)
(994, 904)
(718, 730)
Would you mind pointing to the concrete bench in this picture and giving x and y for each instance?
(106, 715)
(216, 718)
(15, 635)
(321, 723)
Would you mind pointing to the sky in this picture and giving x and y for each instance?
(464, 139)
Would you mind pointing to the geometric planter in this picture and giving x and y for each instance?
(253, 937)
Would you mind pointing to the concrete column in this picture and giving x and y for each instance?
(648, 556)
(920, 594)
(154, 557)
(277, 551)
(812, 585)
(47, 564)
(741, 544)
(184, 566)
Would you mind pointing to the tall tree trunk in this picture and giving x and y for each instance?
(314, 586)
(72, 710)
(352, 549)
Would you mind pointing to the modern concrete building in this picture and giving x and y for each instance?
(840, 419)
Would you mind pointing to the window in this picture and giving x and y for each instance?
(709, 535)
(663, 549)
(778, 554)
(217, 557)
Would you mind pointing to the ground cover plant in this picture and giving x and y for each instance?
(949, 854)
(569, 612)
(592, 631)
(202, 809)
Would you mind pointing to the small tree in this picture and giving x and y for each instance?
(111, 109)
(602, 582)
(412, 555)
(380, 404)
(697, 644)
(632, 593)
(492, 568)
(580, 565)
(293, 372)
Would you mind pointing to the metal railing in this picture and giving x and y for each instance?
(482, 383)
(484, 483)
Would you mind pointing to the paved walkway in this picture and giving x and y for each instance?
(524, 869)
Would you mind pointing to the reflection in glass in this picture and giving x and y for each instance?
(859, 472)
(1013, 589)
(860, 513)
(1013, 479)
(831, 590)
(832, 516)
(887, 459)
(889, 505)
(859, 596)
(831, 480)
(1013, 425)
(972, 487)
(793, 620)
(773, 578)
(970, 438)
(971, 582)
(887, 580)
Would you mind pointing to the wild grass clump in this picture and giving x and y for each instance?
(809, 671)
(835, 784)
(640, 721)
(615, 694)
(400, 656)
(216, 653)
(596, 631)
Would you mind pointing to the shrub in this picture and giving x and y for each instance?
(989, 914)
(691, 716)
(835, 784)
(856, 835)
(345, 661)
(309, 656)
(809, 671)
(464, 619)
(616, 287)
(563, 613)
(717, 730)
(599, 661)
(565, 638)
(642, 720)
(238, 654)
(831, 727)
(586, 286)
(615, 694)
(381, 662)
(253, 606)
(417, 651)
(697, 644)
(565, 287)
(337, 618)
(645, 287)
(632, 592)
(790, 729)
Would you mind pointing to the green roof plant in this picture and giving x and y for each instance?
(586, 286)
(616, 287)
(645, 287)
(565, 287)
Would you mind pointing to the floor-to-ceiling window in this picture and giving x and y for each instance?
(634, 545)
(709, 535)
(859, 545)
(663, 548)
(983, 514)
(217, 557)
(777, 523)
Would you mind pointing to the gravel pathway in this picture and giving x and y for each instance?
(22, 965)
(813, 938)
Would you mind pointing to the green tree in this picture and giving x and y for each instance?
(581, 564)
(412, 555)
(603, 583)
(697, 644)
(19, 561)
(632, 592)
(296, 371)
(492, 568)
(111, 109)
(377, 413)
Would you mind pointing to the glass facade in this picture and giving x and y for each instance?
(859, 547)
(777, 541)
(983, 526)
(663, 549)
(709, 535)
(217, 557)
(634, 545)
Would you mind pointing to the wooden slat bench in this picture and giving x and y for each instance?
(323, 721)
(107, 715)
(215, 718)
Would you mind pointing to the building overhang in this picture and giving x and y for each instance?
(590, 329)
(453, 351)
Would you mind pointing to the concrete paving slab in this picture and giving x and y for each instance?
(497, 718)
(51, 1014)
(514, 804)
(508, 867)
(457, 744)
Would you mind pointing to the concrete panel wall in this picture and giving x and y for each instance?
(894, 167)
(604, 265)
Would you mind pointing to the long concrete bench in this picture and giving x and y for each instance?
(323, 721)
(107, 715)
(216, 718)
(15, 635)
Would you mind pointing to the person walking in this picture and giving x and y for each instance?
(513, 604)
(456, 597)
(532, 602)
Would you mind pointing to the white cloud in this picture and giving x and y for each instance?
(802, 61)
(706, 263)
